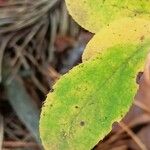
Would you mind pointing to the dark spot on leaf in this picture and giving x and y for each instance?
(82, 123)
(77, 107)
(105, 118)
(51, 90)
(142, 38)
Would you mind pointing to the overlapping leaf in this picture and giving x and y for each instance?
(121, 31)
(95, 14)
(93, 95)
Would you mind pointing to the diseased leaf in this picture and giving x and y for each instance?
(95, 14)
(121, 31)
(92, 96)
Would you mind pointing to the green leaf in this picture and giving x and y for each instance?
(95, 14)
(92, 96)
(121, 31)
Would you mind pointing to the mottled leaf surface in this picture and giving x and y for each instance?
(121, 31)
(95, 14)
(92, 96)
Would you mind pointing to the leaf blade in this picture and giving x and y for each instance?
(69, 115)
(125, 30)
(94, 15)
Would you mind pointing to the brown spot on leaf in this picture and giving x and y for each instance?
(51, 90)
(142, 38)
(82, 123)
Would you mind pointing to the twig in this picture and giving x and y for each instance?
(142, 106)
(1, 131)
(123, 147)
(133, 136)
(19, 144)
